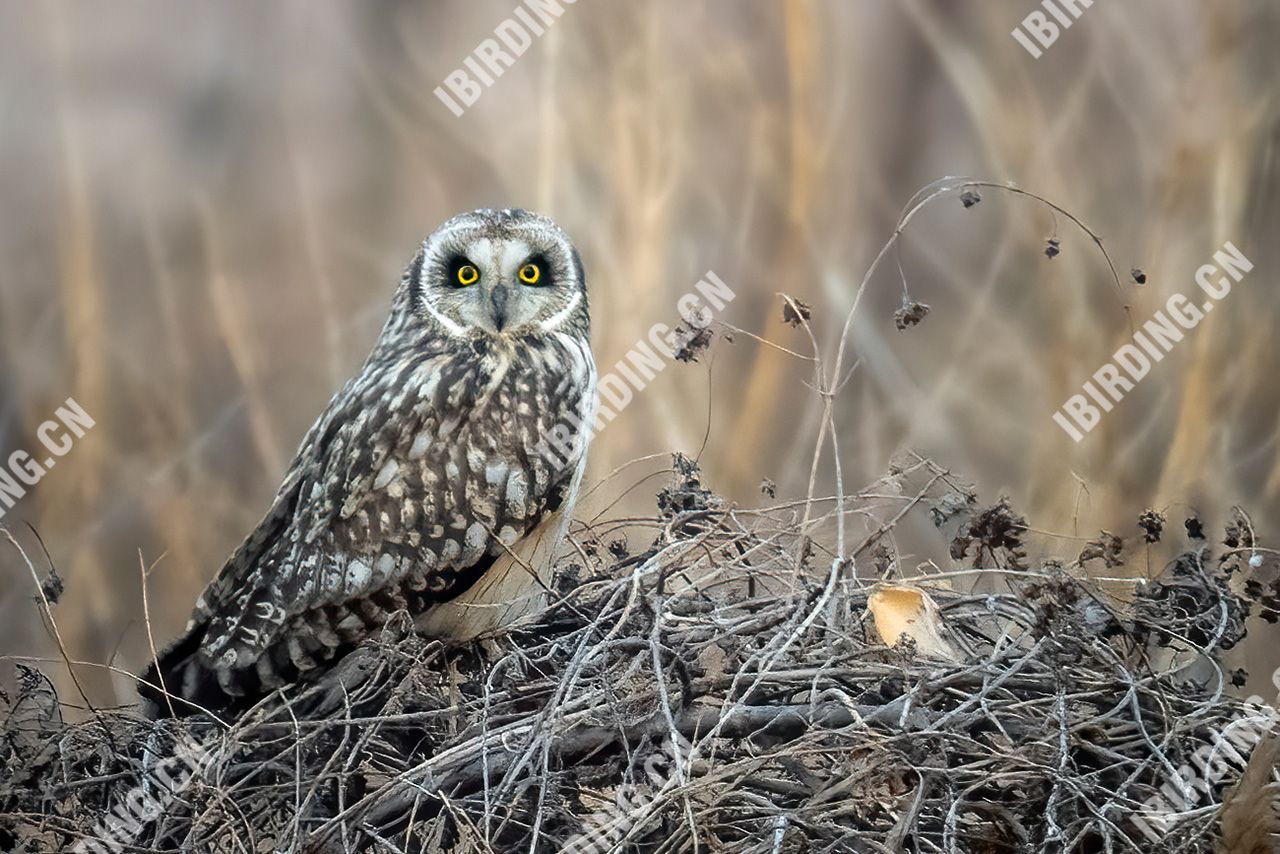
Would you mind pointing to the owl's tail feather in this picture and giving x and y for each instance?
(189, 685)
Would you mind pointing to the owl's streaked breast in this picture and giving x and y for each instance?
(449, 487)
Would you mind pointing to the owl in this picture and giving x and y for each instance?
(425, 485)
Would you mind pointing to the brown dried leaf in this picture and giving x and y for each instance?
(904, 609)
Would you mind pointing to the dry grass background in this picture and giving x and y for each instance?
(204, 209)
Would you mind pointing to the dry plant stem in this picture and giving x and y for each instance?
(47, 611)
(1052, 724)
(144, 573)
(828, 385)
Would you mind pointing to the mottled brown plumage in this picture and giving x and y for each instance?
(422, 486)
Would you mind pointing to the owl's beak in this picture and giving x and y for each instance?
(498, 307)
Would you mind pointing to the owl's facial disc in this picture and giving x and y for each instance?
(498, 286)
(496, 274)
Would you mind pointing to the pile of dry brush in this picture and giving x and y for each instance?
(727, 688)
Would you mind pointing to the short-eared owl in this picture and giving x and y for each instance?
(421, 486)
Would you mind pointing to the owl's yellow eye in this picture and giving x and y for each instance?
(531, 274)
(468, 275)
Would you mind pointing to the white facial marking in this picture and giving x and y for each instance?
(556, 319)
(480, 251)
(513, 254)
(454, 329)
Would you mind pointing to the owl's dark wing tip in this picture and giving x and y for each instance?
(179, 684)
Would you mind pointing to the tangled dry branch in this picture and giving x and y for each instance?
(725, 689)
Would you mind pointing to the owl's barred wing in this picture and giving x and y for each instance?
(388, 505)
(511, 588)
(183, 670)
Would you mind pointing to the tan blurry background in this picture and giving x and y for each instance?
(204, 208)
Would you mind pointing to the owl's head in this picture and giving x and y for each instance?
(500, 273)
